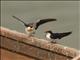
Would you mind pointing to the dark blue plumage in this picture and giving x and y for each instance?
(52, 35)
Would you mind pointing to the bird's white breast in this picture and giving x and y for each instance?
(29, 32)
(48, 35)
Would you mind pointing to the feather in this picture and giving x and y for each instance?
(20, 20)
(42, 21)
(60, 35)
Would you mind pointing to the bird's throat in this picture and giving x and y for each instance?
(48, 35)
(30, 30)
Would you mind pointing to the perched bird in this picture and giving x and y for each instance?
(32, 27)
(52, 36)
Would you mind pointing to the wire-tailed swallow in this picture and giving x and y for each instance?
(32, 27)
(52, 36)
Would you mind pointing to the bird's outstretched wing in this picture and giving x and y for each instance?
(20, 20)
(42, 21)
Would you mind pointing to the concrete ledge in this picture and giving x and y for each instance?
(36, 48)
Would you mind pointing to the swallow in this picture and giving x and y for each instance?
(33, 26)
(52, 36)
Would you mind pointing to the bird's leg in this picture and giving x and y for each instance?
(53, 41)
(33, 34)
(30, 35)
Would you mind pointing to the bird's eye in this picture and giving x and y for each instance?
(31, 26)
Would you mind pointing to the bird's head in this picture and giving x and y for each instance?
(31, 25)
(48, 31)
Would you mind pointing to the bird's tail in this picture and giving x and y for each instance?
(65, 34)
(19, 20)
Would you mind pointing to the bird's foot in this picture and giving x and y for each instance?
(30, 35)
(53, 42)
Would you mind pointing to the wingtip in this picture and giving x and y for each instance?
(13, 16)
(70, 32)
(54, 19)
